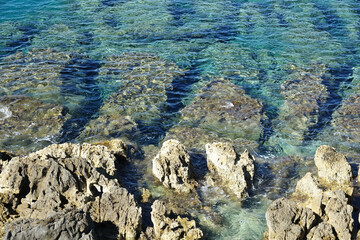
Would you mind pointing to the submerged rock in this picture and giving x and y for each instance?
(139, 83)
(167, 227)
(27, 122)
(69, 177)
(235, 172)
(37, 72)
(326, 196)
(65, 225)
(305, 96)
(220, 111)
(173, 167)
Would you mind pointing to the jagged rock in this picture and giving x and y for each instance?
(220, 110)
(140, 82)
(66, 225)
(339, 214)
(286, 220)
(166, 227)
(308, 188)
(327, 196)
(70, 176)
(173, 167)
(236, 172)
(305, 95)
(146, 195)
(27, 123)
(323, 231)
(333, 166)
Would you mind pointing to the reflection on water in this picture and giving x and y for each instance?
(145, 70)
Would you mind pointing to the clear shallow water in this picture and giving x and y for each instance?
(165, 51)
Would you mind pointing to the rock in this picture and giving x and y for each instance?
(308, 188)
(117, 147)
(166, 227)
(36, 72)
(220, 110)
(28, 123)
(70, 176)
(332, 166)
(323, 231)
(286, 220)
(236, 172)
(146, 195)
(140, 83)
(339, 214)
(173, 167)
(305, 96)
(65, 225)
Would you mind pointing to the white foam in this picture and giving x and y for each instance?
(4, 112)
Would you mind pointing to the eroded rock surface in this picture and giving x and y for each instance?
(67, 177)
(66, 225)
(327, 196)
(173, 167)
(220, 111)
(286, 220)
(235, 171)
(166, 227)
(27, 122)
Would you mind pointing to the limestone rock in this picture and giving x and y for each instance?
(286, 220)
(173, 167)
(339, 214)
(70, 176)
(236, 172)
(25, 121)
(323, 231)
(305, 96)
(333, 166)
(309, 188)
(220, 110)
(65, 225)
(139, 83)
(166, 227)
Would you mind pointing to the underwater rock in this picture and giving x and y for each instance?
(327, 195)
(332, 166)
(173, 167)
(286, 220)
(167, 227)
(305, 95)
(70, 176)
(139, 84)
(25, 122)
(220, 110)
(74, 224)
(37, 72)
(236, 172)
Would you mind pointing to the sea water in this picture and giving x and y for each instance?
(250, 43)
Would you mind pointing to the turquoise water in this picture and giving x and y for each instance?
(124, 65)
